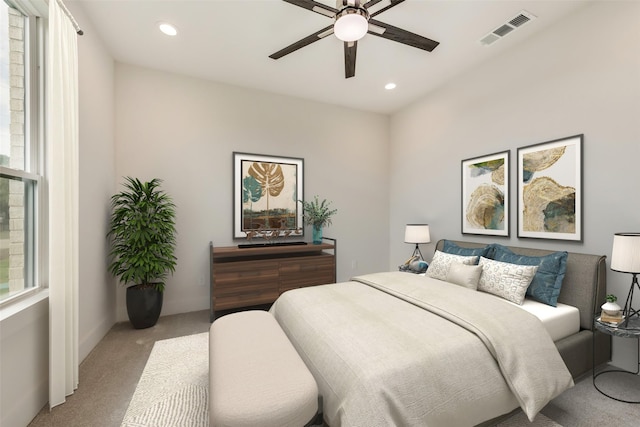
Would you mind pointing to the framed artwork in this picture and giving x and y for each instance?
(550, 190)
(485, 195)
(266, 190)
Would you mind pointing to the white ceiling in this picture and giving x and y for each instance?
(230, 41)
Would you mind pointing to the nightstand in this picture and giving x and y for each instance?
(631, 330)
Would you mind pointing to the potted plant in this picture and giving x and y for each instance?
(142, 232)
(610, 307)
(318, 215)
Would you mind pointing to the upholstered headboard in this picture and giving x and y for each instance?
(584, 285)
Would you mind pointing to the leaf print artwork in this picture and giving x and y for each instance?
(267, 192)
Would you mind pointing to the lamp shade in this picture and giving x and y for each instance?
(625, 256)
(351, 26)
(417, 233)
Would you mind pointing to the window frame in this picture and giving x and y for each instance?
(33, 175)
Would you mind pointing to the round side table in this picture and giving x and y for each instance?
(629, 330)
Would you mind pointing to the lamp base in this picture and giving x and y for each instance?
(416, 252)
(628, 311)
(413, 265)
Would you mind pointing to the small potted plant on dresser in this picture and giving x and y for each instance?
(142, 234)
(317, 214)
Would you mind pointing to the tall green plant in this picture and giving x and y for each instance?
(317, 213)
(142, 232)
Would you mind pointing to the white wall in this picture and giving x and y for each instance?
(24, 365)
(579, 76)
(97, 184)
(184, 131)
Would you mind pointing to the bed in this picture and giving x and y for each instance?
(395, 348)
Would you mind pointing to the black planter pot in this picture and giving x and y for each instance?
(143, 306)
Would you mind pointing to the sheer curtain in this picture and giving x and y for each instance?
(62, 164)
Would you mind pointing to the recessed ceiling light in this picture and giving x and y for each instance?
(390, 86)
(168, 29)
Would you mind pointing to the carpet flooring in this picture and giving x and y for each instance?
(110, 373)
(172, 390)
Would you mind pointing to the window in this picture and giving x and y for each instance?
(20, 113)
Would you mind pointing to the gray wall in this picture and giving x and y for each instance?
(563, 82)
(184, 131)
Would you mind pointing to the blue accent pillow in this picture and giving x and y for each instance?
(451, 248)
(546, 284)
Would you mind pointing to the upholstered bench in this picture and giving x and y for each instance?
(256, 377)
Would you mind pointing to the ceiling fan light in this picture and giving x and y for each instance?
(167, 29)
(351, 27)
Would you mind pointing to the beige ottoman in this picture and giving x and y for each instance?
(256, 377)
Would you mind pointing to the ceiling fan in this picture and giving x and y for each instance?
(352, 20)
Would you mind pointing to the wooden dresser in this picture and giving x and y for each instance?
(244, 277)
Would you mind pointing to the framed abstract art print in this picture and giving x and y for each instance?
(550, 190)
(485, 195)
(266, 190)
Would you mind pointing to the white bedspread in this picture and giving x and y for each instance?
(382, 360)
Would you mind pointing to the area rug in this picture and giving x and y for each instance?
(173, 388)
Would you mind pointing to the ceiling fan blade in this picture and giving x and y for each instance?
(303, 42)
(376, 7)
(350, 49)
(314, 6)
(402, 36)
(376, 29)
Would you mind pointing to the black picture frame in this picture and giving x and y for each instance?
(550, 204)
(485, 195)
(266, 196)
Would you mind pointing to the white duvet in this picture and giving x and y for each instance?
(396, 349)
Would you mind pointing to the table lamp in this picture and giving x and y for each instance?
(625, 258)
(418, 234)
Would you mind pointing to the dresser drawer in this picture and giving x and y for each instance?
(302, 272)
(246, 295)
(235, 274)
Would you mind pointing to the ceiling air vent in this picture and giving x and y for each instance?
(508, 27)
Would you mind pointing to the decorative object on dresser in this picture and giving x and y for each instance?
(318, 215)
(245, 277)
(625, 258)
(142, 235)
(265, 196)
(550, 190)
(485, 195)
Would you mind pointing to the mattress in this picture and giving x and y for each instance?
(560, 321)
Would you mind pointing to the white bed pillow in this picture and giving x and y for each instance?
(439, 267)
(508, 281)
(464, 275)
